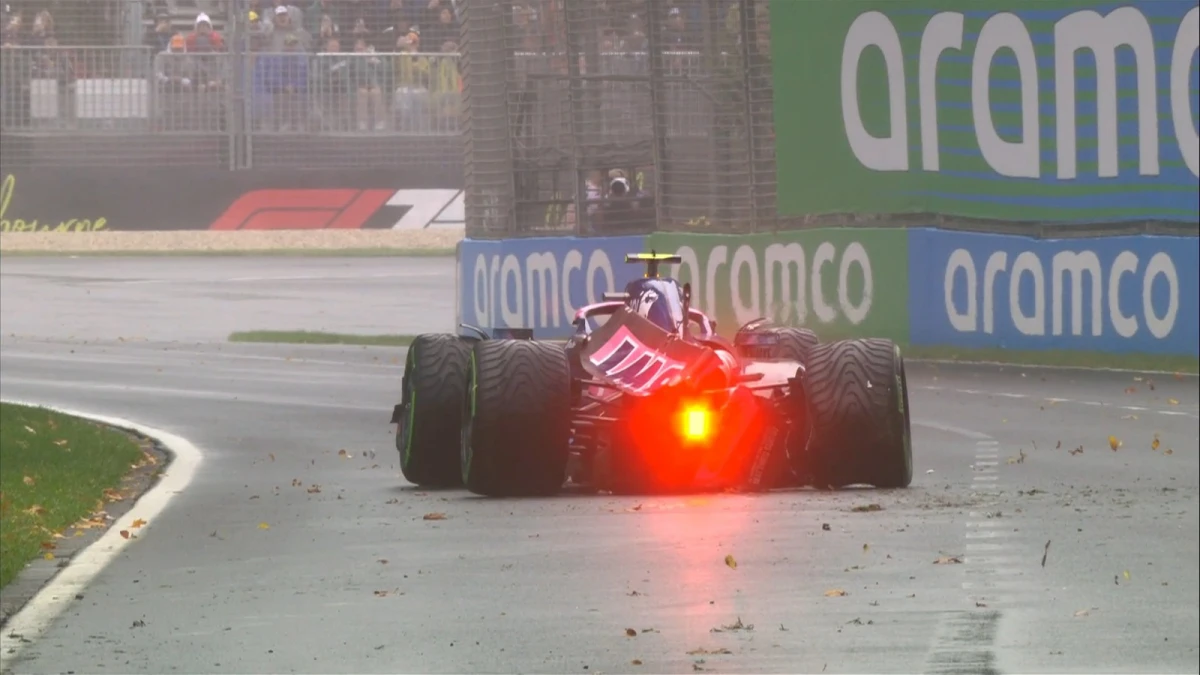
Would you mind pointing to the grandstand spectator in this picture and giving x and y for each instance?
(327, 29)
(319, 9)
(159, 38)
(445, 29)
(295, 14)
(43, 27)
(287, 29)
(260, 32)
(281, 83)
(371, 75)
(332, 80)
(678, 36)
(203, 38)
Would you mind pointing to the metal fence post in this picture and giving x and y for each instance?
(488, 168)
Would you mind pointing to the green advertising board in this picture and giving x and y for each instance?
(1019, 110)
(839, 282)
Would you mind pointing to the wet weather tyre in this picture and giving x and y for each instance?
(794, 344)
(858, 405)
(435, 381)
(517, 419)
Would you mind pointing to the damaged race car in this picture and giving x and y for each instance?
(646, 397)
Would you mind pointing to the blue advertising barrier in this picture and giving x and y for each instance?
(538, 283)
(1128, 294)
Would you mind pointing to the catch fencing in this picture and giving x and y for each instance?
(537, 104)
(677, 102)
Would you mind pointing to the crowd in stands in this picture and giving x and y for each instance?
(390, 59)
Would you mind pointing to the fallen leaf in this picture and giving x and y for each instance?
(28, 480)
(48, 545)
(825, 527)
(137, 523)
(1058, 445)
(1168, 451)
(835, 593)
(343, 454)
(636, 662)
(866, 547)
(1083, 612)
(434, 516)
(1154, 443)
(1077, 451)
(629, 632)
(1126, 573)
(264, 526)
(1173, 401)
(48, 556)
(729, 560)
(1046, 552)
(867, 508)
(702, 651)
(1130, 390)
(124, 534)
(30, 429)
(948, 560)
(383, 561)
(1114, 443)
(313, 489)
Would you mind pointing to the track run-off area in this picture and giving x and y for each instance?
(1026, 543)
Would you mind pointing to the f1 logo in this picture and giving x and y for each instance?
(339, 209)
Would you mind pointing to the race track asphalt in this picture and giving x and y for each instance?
(352, 579)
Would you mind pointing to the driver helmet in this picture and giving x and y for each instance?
(657, 300)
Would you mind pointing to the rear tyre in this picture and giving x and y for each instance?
(858, 405)
(517, 419)
(795, 344)
(435, 381)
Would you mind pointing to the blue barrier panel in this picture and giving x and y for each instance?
(1131, 294)
(539, 283)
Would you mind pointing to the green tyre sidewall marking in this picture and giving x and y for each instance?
(902, 407)
(410, 425)
(467, 453)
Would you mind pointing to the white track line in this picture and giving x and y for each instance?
(24, 627)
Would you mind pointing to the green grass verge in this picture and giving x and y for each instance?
(304, 337)
(1062, 359)
(54, 469)
(268, 252)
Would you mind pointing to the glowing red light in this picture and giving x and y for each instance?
(696, 423)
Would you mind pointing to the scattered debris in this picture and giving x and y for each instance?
(731, 562)
(836, 593)
(867, 508)
(1045, 552)
(434, 516)
(948, 560)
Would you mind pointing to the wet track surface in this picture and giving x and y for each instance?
(351, 578)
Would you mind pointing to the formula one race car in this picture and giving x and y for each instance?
(646, 398)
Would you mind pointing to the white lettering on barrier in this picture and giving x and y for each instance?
(1075, 270)
(534, 291)
(780, 283)
(1100, 34)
